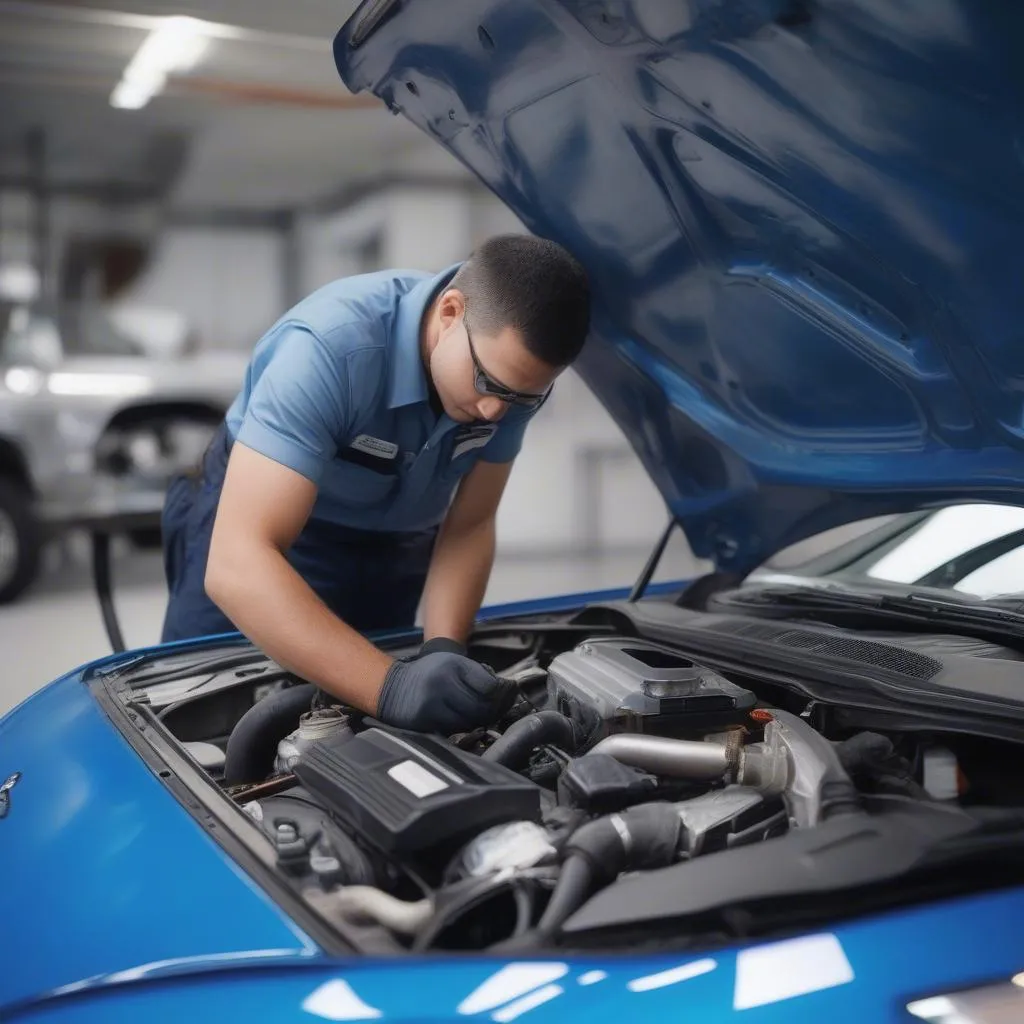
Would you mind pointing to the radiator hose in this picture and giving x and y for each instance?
(641, 838)
(254, 739)
(520, 739)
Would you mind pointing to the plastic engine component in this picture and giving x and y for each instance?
(734, 816)
(408, 792)
(313, 726)
(600, 784)
(628, 685)
(317, 846)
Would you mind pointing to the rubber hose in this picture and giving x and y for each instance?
(575, 884)
(252, 745)
(521, 738)
(861, 750)
(647, 836)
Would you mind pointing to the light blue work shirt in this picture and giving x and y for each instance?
(336, 390)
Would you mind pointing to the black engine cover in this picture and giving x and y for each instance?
(407, 792)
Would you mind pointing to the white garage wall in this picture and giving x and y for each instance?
(332, 245)
(426, 228)
(227, 282)
(417, 228)
(577, 484)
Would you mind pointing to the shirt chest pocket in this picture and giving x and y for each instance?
(361, 479)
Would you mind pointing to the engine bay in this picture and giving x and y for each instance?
(631, 788)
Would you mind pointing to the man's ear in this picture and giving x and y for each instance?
(451, 307)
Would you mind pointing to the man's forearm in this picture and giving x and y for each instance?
(457, 580)
(272, 605)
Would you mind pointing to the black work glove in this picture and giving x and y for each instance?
(442, 644)
(443, 693)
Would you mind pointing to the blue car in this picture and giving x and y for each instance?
(779, 796)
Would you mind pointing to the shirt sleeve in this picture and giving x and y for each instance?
(508, 438)
(300, 407)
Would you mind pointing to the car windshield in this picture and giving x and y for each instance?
(45, 336)
(975, 550)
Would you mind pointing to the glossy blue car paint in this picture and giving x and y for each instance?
(802, 220)
(863, 971)
(101, 869)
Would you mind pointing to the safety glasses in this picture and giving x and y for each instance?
(486, 385)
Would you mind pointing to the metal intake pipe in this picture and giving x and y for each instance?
(369, 903)
(804, 766)
(683, 759)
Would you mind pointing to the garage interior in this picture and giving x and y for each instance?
(197, 213)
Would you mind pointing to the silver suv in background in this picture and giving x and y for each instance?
(92, 424)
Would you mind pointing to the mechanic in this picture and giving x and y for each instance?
(361, 468)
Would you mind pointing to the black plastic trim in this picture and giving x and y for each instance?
(847, 852)
(830, 681)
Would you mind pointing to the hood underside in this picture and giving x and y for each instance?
(801, 219)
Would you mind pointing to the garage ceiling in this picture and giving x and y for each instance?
(262, 122)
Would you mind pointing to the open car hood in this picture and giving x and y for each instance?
(802, 222)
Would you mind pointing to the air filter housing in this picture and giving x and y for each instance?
(626, 685)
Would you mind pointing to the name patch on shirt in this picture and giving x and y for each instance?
(472, 437)
(375, 446)
(373, 453)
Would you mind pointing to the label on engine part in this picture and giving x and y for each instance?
(415, 778)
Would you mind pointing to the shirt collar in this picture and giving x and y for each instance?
(407, 382)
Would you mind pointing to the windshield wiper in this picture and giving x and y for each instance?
(1002, 621)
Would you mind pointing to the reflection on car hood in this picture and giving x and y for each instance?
(104, 876)
(801, 220)
(860, 971)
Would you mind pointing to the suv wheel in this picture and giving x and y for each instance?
(20, 541)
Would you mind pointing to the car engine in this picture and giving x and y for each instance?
(620, 756)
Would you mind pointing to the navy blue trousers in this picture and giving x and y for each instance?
(373, 581)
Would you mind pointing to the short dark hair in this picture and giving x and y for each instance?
(532, 285)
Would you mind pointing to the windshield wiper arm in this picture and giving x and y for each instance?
(928, 609)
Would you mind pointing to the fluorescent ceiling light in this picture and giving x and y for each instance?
(174, 46)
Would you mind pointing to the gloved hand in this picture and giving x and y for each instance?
(443, 693)
(443, 644)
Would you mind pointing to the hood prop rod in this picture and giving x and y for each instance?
(100, 530)
(653, 560)
(104, 591)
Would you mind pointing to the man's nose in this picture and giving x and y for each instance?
(491, 409)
